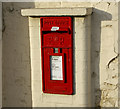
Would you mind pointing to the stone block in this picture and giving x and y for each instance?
(81, 56)
(36, 76)
(75, 4)
(37, 87)
(63, 105)
(107, 31)
(34, 32)
(47, 105)
(37, 100)
(47, 4)
(35, 66)
(57, 11)
(81, 100)
(83, 44)
(56, 98)
(82, 88)
(34, 21)
(35, 43)
(35, 54)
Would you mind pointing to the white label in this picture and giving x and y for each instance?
(56, 67)
(54, 28)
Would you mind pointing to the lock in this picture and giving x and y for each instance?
(57, 55)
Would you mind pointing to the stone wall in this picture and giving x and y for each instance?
(104, 52)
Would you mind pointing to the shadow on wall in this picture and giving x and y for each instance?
(97, 17)
(16, 56)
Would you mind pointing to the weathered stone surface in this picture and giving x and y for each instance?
(105, 51)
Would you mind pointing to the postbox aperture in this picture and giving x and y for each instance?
(57, 53)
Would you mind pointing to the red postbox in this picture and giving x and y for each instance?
(57, 53)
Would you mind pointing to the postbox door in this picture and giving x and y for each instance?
(61, 84)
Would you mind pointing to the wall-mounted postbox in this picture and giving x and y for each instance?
(57, 53)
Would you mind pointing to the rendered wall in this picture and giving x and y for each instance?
(16, 58)
(16, 54)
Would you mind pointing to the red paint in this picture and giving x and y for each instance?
(61, 39)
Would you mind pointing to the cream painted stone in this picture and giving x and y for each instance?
(107, 7)
(83, 98)
(68, 105)
(106, 54)
(81, 87)
(81, 42)
(56, 98)
(81, 56)
(61, 105)
(107, 31)
(36, 67)
(83, 25)
(104, 5)
(75, 4)
(113, 94)
(113, 12)
(35, 43)
(117, 103)
(36, 90)
(80, 67)
(82, 72)
(112, 72)
(37, 100)
(36, 76)
(41, 104)
(37, 86)
(56, 12)
(112, 81)
(34, 22)
(34, 32)
(116, 35)
(35, 54)
(108, 86)
(103, 67)
(47, 4)
(61, 4)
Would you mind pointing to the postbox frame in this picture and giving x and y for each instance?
(63, 58)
